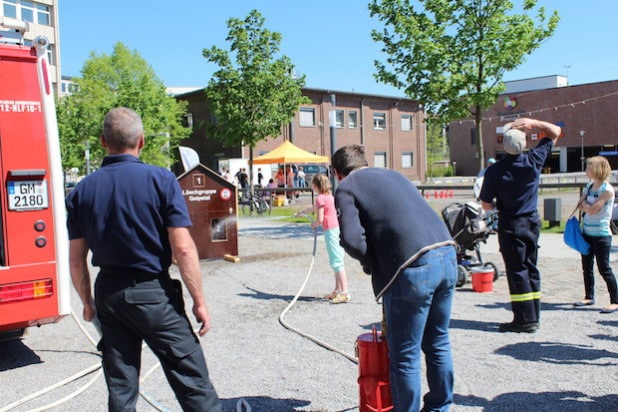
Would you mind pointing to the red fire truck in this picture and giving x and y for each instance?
(34, 268)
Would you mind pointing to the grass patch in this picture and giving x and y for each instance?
(283, 213)
(287, 215)
(555, 229)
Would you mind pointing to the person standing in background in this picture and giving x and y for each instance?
(280, 179)
(478, 182)
(289, 177)
(260, 177)
(226, 175)
(326, 217)
(597, 203)
(295, 171)
(490, 162)
(513, 184)
(301, 177)
(243, 179)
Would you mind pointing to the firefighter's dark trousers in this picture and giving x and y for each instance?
(134, 308)
(518, 237)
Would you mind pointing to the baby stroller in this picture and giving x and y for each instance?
(469, 226)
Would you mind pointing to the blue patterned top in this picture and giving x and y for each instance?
(598, 224)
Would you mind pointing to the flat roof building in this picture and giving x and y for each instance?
(587, 113)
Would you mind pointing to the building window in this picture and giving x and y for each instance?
(406, 122)
(50, 54)
(9, 8)
(407, 160)
(73, 88)
(43, 15)
(379, 121)
(473, 137)
(68, 87)
(306, 117)
(187, 120)
(339, 118)
(379, 159)
(27, 10)
(352, 119)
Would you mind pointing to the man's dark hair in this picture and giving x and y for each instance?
(349, 158)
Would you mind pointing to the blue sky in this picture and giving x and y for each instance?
(328, 41)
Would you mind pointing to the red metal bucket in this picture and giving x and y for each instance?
(483, 279)
(374, 388)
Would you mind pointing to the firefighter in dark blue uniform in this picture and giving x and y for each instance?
(511, 185)
(133, 218)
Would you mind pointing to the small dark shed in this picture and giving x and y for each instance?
(212, 204)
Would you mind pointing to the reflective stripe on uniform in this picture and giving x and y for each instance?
(522, 297)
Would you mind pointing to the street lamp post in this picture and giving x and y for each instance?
(333, 137)
(583, 158)
(87, 156)
(567, 67)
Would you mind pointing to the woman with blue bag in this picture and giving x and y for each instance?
(597, 203)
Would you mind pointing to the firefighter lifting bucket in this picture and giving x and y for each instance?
(374, 388)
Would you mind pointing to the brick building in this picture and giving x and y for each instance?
(391, 128)
(587, 113)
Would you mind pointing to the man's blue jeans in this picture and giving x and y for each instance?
(418, 312)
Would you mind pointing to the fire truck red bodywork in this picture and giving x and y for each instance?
(34, 278)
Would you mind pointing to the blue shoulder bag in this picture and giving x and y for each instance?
(573, 236)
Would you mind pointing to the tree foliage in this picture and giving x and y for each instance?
(123, 78)
(436, 143)
(451, 55)
(254, 96)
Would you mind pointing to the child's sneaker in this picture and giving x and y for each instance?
(341, 298)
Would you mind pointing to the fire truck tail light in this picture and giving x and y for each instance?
(15, 292)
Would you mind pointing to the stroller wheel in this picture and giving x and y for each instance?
(495, 268)
(462, 275)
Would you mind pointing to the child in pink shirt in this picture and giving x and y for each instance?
(326, 216)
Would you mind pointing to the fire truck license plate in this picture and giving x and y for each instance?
(27, 195)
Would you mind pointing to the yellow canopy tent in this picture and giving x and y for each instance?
(288, 153)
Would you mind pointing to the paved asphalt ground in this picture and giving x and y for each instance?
(570, 364)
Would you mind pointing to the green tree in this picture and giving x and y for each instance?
(452, 54)
(437, 151)
(123, 78)
(252, 99)
(436, 143)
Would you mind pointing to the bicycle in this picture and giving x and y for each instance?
(257, 204)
